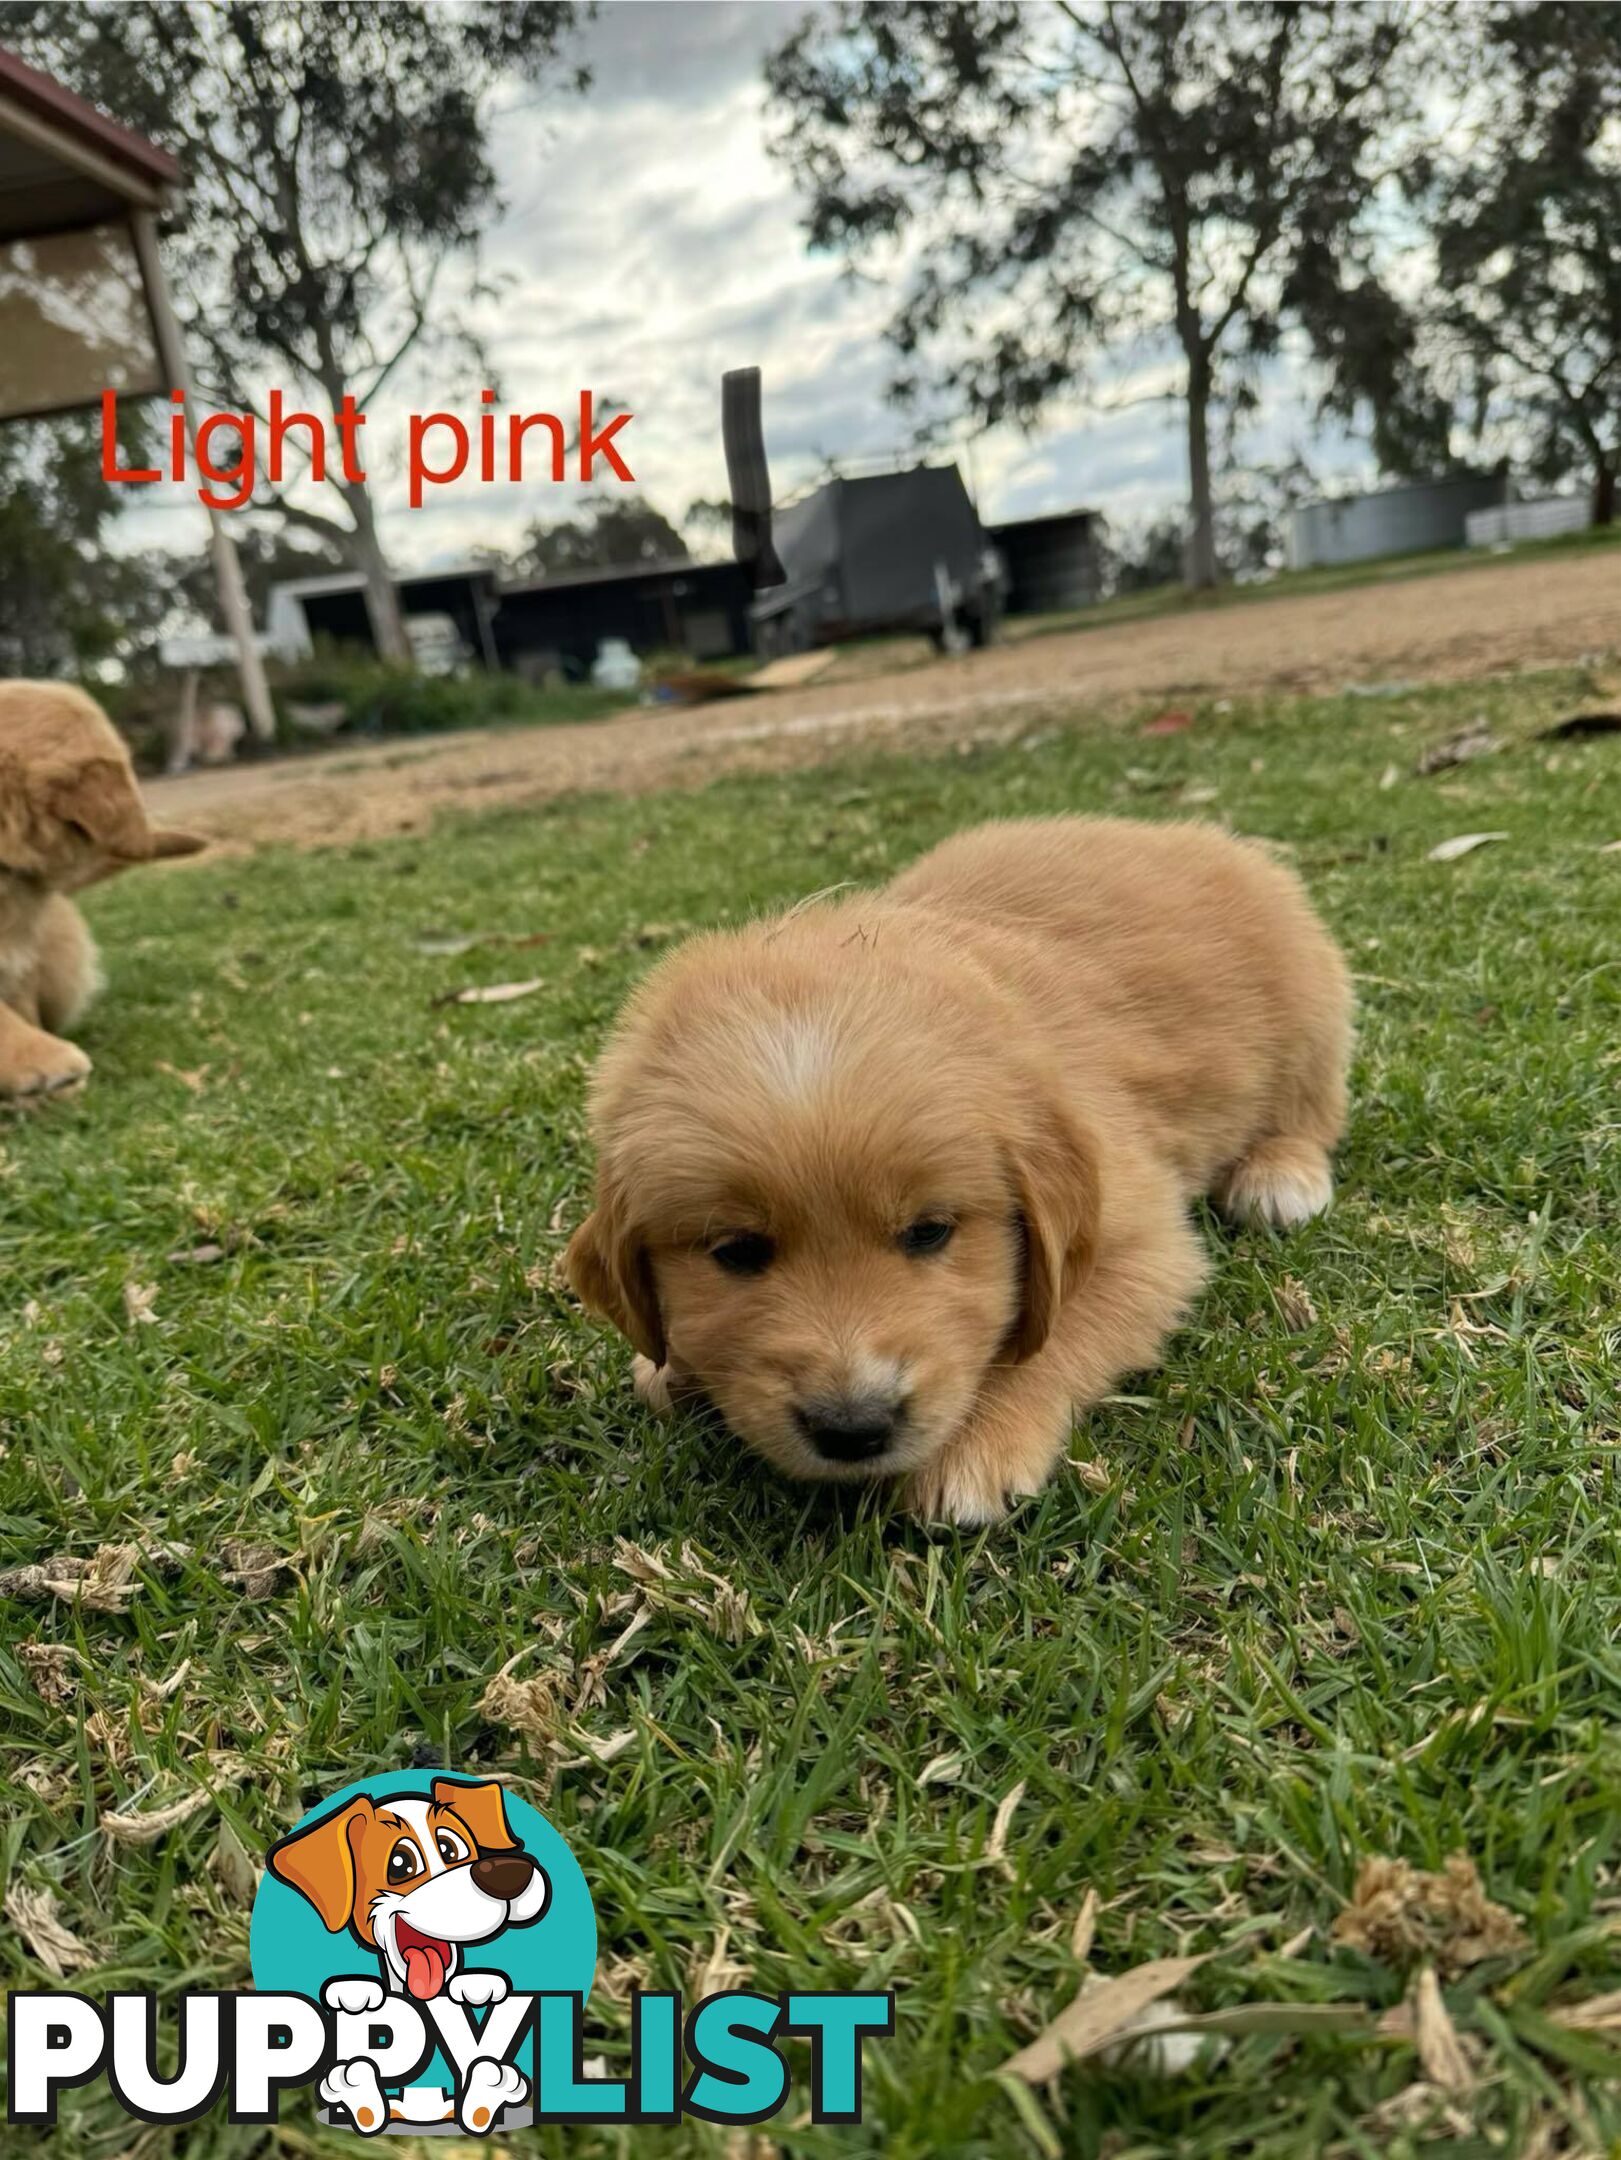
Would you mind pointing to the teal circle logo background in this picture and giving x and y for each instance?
(292, 1952)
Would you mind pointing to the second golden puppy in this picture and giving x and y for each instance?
(900, 1181)
(70, 815)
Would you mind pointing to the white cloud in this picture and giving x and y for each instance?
(648, 243)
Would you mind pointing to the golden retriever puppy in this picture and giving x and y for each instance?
(900, 1181)
(70, 813)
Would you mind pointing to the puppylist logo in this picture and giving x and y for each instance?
(422, 1949)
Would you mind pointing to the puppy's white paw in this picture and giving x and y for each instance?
(490, 2087)
(478, 1988)
(356, 1996)
(652, 1384)
(955, 1490)
(1281, 1182)
(356, 2087)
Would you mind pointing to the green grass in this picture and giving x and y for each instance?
(1345, 1584)
(1287, 584)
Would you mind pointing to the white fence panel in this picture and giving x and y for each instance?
(1527, 521)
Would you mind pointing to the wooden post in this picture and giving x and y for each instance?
(227, 569)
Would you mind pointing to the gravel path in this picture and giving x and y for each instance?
(1450, 624)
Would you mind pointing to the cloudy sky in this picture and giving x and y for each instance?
(648, 243)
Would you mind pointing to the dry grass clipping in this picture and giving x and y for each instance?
(1403, 1916)
(33, 1914)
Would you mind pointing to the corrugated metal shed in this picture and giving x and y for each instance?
(1052, 562)
(1392, 521)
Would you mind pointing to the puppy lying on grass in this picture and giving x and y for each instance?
(70, 814)
(899, 1181)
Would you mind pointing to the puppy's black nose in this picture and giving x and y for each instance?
(503, 1875)
(849, 1428)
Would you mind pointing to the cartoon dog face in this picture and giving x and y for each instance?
(415, 1877)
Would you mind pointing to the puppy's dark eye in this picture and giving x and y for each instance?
(749, 1253)
(929, 1234)
(404, 1862)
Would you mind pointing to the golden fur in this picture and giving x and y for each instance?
(70, 814)
(1050, 1035)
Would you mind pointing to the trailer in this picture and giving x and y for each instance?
(888, 552)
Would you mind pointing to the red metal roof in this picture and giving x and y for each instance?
(41, 95)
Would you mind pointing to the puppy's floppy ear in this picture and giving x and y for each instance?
(319, 1863)
(100, 799)
(1057, 1177)
(481, 1808)
(607, 1264)
(22, 845)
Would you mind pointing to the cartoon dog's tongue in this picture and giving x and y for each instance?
(426, 1963)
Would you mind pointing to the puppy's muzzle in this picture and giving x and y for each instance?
(503, 1875)
(850, 1428)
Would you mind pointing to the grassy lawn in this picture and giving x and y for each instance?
(1344, 1578)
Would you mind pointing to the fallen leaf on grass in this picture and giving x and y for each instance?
(33, 1914)
(1611, 847)
(942, 1770)
(447, 945)
(151, 1824)
(103, 1581)
(1400, 1915)
(1436, 2037)
(996, 1843)
(1097, 2016)
(719, 1973)
(689, 1585)
(161, 1690)
(1086, 1926)
(605, 1748)
(139, 1302)
(526, 1707)
(1377, 689)
(491, 993)
(1295, 1307)
(1174, 722)
(451, 944)
(51, 1668)
(252, 1569)
(195, 1255)
(1474, 741)
(1462, 844)
(194, 1081)
(1600, 2014)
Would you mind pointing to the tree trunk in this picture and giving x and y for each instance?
(1203, 572)
(382, 600)
(1604, 494)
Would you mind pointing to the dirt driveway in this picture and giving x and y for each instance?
(1450, 624)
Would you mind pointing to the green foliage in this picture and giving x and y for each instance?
(608, 531)
(66, 600)
(1526, 307)
(385, 700)
(1077, 181)
(1346, 1577)
(334, 156)
(337, 184)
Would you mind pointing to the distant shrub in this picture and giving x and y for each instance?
(379, 699)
